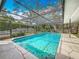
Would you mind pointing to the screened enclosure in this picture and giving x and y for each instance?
(22, 17)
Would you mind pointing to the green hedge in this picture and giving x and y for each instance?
(18, 34)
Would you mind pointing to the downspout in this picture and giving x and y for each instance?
(63, 13)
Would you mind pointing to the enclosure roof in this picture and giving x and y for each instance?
(41, 11)
(32, 4)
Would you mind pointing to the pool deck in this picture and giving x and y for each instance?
(68, 47)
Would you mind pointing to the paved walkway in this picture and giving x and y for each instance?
(69, 48)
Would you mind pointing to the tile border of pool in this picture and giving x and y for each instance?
(59, 47)
(28, 35)
(20, 37)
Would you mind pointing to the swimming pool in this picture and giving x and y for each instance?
(43, 45)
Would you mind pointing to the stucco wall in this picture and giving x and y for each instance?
(71, 10)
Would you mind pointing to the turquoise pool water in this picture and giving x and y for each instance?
(43, 45)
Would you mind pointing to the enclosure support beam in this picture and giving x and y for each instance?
(70, 28)
(10, 24)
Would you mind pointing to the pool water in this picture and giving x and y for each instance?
(43, 45)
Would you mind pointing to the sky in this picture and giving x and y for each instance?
(11, 5)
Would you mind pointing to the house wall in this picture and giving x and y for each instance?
(71, 10)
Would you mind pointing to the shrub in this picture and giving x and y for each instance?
(18, 34)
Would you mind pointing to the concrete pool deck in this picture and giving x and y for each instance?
(68, 47)
(9, 50)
